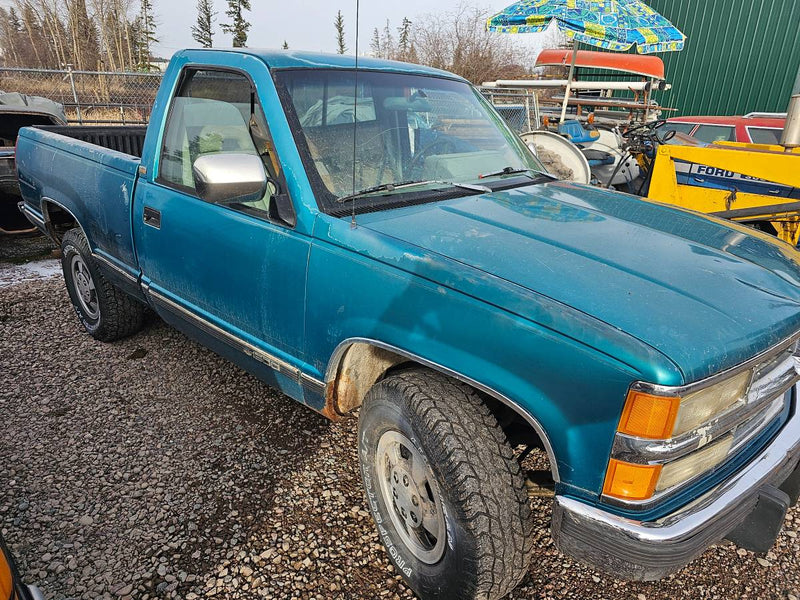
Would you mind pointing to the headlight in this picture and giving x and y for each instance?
(701, 406)
(695, 463)
(667, 437)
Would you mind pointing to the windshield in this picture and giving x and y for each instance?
(408, 128)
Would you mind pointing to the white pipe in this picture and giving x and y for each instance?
(790, 138)
(635, 86)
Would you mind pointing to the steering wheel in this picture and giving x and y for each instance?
(667, 136)
(658, 124)
(648, 132)
(444, 143)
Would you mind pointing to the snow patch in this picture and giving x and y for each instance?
(32, 271)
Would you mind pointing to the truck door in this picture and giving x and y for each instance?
(232, 270)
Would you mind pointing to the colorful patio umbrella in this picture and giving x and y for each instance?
(610, 24)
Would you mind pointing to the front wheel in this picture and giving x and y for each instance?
(444, 488)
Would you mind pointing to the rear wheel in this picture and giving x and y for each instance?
(444, 488)
(105, 311)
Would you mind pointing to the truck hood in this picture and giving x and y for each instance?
(705, 293)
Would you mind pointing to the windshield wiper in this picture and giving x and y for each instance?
(513, 171)
(391, 187)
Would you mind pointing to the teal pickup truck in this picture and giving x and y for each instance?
(372, 236)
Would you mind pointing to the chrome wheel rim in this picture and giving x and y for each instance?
(84, 286)
(411, 495)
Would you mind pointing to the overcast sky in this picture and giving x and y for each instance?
(307, 24)
(304, 24)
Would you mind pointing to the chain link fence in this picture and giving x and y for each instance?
(519, 107)
(104, 97)
(89, 97)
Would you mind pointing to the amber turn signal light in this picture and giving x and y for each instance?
(6, 580)
(629, 481)
(649, 416)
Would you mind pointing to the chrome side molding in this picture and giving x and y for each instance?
(245, 347)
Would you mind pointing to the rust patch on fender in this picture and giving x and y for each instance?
(329, 410)
(361, 366)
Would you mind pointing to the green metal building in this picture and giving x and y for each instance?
(740, 55)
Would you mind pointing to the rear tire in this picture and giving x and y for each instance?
(444, 488)
(105, 311)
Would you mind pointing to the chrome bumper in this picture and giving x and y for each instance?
(639, 550)
(35, 593)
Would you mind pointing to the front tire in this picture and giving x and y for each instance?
(444, 488)
(106, 312)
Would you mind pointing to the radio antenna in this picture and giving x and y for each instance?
(355, 119)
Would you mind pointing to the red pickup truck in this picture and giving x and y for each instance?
(754, 127)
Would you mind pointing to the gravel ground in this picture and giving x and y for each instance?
(24, 248)
(151, 468)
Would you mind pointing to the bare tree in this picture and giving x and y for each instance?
(457, 41)
(203, 29)
(341, 48)
(88, 34)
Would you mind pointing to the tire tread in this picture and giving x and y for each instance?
(480, 471)
(120, 314)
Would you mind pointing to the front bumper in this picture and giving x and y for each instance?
(34, 593)
(641, 550)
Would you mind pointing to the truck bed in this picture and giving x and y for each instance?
(127, 139)
(89, 172)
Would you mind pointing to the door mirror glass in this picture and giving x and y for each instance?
(229, 177)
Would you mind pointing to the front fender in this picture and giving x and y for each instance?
(573, 392)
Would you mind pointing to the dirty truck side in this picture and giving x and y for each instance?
(382, 241)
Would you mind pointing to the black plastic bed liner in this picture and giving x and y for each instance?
(128, 139)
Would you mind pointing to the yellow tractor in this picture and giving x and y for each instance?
(756, 184)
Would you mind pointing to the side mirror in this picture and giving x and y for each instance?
(232, 177)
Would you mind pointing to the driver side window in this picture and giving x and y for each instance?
(213, 112)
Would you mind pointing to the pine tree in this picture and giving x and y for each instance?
(14, 20)
(146, 36)
(387, 43)
(203, 30)
(375, 44)
(238, 26)
(412, 56)
(404, 41)
(10, 28)
(83, 34)
(341, 48)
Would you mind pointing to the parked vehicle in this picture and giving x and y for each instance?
(18, 110)
(753, 128)
(11, 586)
(380, 239)
(756, 184)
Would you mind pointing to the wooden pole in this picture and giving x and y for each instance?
(569, 80)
